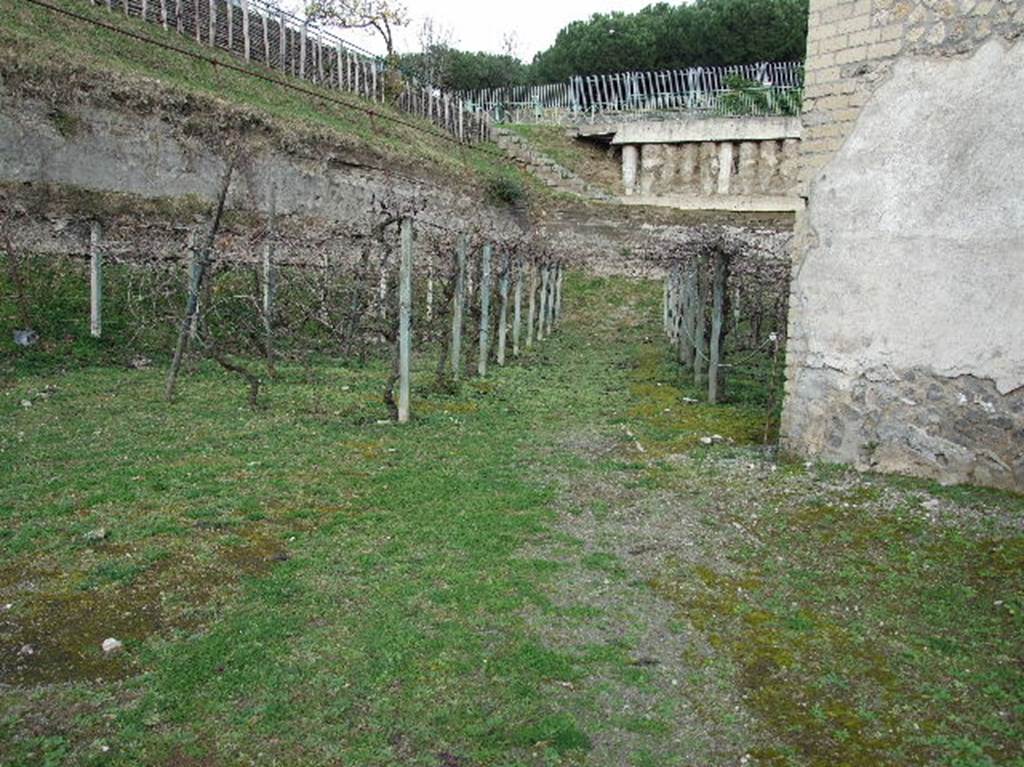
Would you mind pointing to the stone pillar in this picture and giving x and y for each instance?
(708, 167)
(747, 176)
(724, 167)
(652, 168)
(767, 167)
(630, 161)
(789, 165)
(689, 179)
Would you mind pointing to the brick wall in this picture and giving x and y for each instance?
(852, 43)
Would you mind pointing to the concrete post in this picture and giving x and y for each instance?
(461, 249)
(404, 316)
(485, 310)
(630, 163)
(95, 281)
(724, 167)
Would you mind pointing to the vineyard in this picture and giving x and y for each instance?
(329, 436)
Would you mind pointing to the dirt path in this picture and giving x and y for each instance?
(654, 703)
(765, 613)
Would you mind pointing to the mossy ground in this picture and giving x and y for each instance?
(304, 585)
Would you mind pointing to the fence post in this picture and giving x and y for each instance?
(95, 281)
(404, 328)
(517, 310)
(485, 310)
(503, 313)
(282, 46)
(245, 28)
(302, 50)
(460, 302)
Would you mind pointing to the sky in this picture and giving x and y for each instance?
(480, 25)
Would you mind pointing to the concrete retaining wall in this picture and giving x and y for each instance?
(743, 163)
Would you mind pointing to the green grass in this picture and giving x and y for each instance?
(303, 585)
(861, 631)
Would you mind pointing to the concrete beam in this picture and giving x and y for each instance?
(707, 129)
(733, 202)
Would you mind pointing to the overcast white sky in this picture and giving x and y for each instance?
(480, 25)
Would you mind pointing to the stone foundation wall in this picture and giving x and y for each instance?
(906, 352)
(712, 168)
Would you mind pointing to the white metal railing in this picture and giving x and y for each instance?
(261, 32)
(765, 88)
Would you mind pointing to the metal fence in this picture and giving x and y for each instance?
(766, 88)
(260, 32)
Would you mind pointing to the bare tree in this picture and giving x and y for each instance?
(510, 44)
(435, 45)
(381, 16)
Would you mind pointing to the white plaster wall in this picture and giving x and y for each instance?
(916, 256)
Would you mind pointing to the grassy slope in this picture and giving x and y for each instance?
(35, 35)
(586, 160)
(305, 586)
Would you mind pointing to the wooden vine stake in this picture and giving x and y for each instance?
(200, 259)
(503, 314)
(404, 317)
(517, 311)
(688, 321)
(95, 281)
(542, 314)
(532, 313)
(699, 331)
(718, 280)
(459, 304)
(550, 314)
(270, 277)
(558, 292)
(485, 310)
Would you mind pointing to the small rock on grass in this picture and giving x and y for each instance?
(112, 646)
(99, 534)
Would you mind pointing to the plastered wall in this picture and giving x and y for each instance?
(906, 348)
